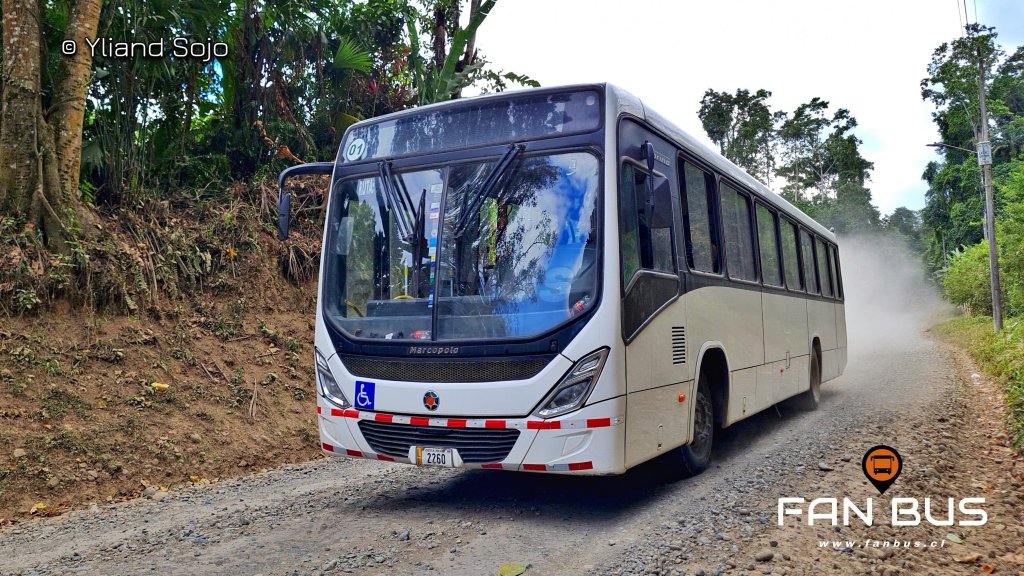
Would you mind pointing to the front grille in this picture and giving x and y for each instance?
(436, 370)
(475, 445)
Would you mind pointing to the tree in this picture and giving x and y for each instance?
(446, 74)
(741, 125)
(40, 133)
(954, 209)
(905, 222)
(818, 151)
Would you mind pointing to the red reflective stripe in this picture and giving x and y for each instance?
(598, 422)
(318, 410)
(581, 465)
(535, 467)
(337, 412)
(554, 425)
(355, 453)
(494, 424)
(385, 458)
(328, 447)
(491, 466)
(383, 417)
(457, 423)
(536, 425)
(347, 413)
(419, 421)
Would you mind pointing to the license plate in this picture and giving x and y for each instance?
(428, 456)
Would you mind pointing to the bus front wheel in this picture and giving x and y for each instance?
(695, 456)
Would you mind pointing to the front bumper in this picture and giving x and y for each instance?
(588, 441)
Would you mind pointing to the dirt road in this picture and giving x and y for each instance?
(367, 517)
(364, 517)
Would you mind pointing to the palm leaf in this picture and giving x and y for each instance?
(351, 56)
(459, 45)
(416, 59)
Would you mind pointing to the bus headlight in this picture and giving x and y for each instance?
(326, 383)
(574, 388)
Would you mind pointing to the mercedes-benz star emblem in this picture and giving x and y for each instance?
(431, 400)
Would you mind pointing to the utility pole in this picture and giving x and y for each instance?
(985, 162)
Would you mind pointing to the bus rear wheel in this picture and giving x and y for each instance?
(810, 399)
(695, 456)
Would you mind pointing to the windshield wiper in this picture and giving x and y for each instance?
(493, 179)
(401, 206)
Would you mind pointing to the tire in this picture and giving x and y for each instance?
(811, 398)
(695, 457)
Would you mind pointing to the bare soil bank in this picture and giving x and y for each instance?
(95, 408)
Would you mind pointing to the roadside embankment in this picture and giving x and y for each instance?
(1001, 355)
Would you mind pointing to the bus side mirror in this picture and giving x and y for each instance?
(284, 213)
(284, 197)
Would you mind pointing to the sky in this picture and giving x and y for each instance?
(868, 56)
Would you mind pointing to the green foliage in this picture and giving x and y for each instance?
(743, 127)
(999, 354)
(954, 209)
(350, 56)
(814, 152)
(966, 279)
(437, 81)
(297, 75)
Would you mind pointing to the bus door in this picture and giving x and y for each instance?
(653, 320)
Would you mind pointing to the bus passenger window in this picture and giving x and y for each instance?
(769, 244)
(643, 244)
(837, 279)
(701, 237)
(808, 257)
(826, 278)
(790, 260)
(739, 245)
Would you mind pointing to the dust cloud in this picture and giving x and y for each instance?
(889, 299)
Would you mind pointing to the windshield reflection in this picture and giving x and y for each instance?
(525, 262)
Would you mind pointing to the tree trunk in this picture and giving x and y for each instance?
(19, 115)
(74, 73)
(32, 186)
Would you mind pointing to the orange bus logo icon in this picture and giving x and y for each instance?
(882, 466)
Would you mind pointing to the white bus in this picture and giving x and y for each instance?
(558, 280)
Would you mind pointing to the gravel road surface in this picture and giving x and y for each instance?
(367, 517)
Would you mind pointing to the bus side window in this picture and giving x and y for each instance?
(807, 247)
(823, 269)
(643, 245)
(629, 241)
(834, 265)
(768, 241)
(739, 244)
(702, 252)
(790, 258)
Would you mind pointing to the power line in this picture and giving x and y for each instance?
(975, 11)
(960, 17)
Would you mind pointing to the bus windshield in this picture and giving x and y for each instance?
(438, 255)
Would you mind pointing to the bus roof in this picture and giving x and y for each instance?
(620, 102)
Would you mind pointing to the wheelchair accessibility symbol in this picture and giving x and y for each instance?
(364, 394)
